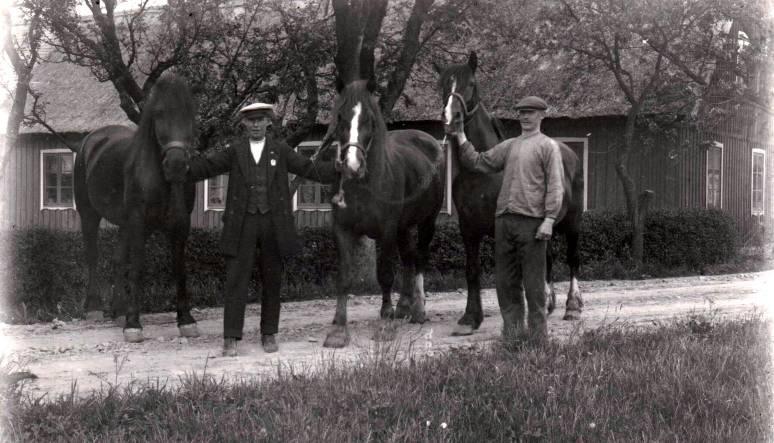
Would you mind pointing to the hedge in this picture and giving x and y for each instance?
(47, 278)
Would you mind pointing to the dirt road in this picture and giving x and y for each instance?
(94, 355)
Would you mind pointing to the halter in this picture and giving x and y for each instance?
(466, 114)
(173, 145)
(358, 146)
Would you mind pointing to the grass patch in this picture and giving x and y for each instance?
(694, 379)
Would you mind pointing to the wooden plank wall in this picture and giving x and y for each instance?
(677, 174)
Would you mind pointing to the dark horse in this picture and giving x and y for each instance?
(475, 194)
(136, 179)
(391, 182)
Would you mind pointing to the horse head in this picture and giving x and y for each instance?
(358, 123)
(459, 91)
(169, 122)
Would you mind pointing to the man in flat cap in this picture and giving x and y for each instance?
(529, 202)
(257, 218)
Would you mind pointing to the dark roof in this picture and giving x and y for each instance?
(76, 102)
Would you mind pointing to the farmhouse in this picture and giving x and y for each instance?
(728, 168)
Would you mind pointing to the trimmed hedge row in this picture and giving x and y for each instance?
(47, 278)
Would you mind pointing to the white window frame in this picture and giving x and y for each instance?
(585, 160)
(207, 197)
(718, 145)
(448, 179)
(43, 153)
(762, 211)
(327, 206)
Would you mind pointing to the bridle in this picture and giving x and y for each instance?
(339, 164)
(175, 145)
(467, 114)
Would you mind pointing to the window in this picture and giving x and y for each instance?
(715, 176)
(56, 179)
(580, 146)
(215, 193)
(311, 195)
(758, 181)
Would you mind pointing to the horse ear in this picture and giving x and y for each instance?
(473, 61)
(437, 67)
(371, 85)
(339, 84)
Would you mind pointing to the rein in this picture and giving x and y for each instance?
(466, 114)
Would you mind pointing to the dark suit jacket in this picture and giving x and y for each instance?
(282, 159)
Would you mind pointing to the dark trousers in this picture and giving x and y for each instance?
(258, 238)
(520, 259)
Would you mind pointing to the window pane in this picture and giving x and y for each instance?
(306, 194)
(51, 196)
(51, 163)
(66, 196)
(326, 193)
(67, 163)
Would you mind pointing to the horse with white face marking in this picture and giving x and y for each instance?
(391, 185)
(475, 194)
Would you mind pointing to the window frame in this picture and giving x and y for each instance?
(294, 199)
(762, 210)
(721, 147)
(42, 178)
(585, 160)
(207, 206)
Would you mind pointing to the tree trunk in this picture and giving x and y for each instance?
(636, 207)
(408, 55)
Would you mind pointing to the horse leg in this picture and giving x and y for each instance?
(425, 233)
(136, 245)
(186, 325)
(338, 336)
(120, 276)
(574, 298)
(474, 314)
(549, 286)
(90, 231)
(412, 300)
(385, 274)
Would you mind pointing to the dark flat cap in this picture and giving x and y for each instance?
(532, 102)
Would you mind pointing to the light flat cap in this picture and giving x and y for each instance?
(265, 107)
(532, 102)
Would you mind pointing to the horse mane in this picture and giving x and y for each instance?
(379, 158)
(170, 95)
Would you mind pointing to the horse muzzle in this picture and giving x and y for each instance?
(175, 159)
(353, 165)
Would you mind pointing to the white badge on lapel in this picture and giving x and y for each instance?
(273, 162)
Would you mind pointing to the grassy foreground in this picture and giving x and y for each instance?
(696, 379)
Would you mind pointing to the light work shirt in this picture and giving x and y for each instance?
(532, 178)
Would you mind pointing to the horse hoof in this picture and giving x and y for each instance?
(460, 330)
(572, 315)
(402, 311)
(418, 317)
(387, 312)
(338, 337)
(189, 330)
(387, 331)
(133, 335)
(95, 316)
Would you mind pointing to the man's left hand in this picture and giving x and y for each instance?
(546, 229)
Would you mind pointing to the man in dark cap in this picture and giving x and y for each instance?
(529, 202)
(257, 218)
